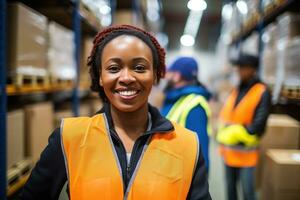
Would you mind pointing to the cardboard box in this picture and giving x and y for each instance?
(96, 105)
(282, 132)
(61, 59)
(39, 126)
(15, 137)
(85, 109)
(84, 76)
(282, 175)
(59, 115)
(27, 40)
(289, 25)
(127, 16)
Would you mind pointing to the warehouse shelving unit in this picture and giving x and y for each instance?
(2, 100)
(69, 13)
(257, 23)
(264, 19)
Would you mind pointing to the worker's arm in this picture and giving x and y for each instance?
(261, 115)
(197, 122)
(49, 174)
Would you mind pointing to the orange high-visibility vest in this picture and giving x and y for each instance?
(243, 114)
(164, 171)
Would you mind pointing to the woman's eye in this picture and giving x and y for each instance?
(140, 68)
(113, 69)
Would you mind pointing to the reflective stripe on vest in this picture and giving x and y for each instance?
(242, 113)
(164, 171)
(180, 110)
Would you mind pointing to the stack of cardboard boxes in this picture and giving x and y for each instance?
(27, 39)
(84, 77)
(281, 175)
(283, 132)
(61, 63)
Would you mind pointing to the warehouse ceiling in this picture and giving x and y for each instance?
(174, 17)
(176, 12)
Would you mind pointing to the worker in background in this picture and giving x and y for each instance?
(186, 101)
(242, 123)
(127, 150)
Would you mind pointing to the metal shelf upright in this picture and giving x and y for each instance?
(3, 99)
(76, 23)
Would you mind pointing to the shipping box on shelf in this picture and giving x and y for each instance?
(96, 105)
(288, 25)
(15, 137)
(27, 40)
(84, 77)
(281, 175)
(127, 16)
(282, 132)
(60, 114)
(85, 109)
(61, 52)
(39, 126)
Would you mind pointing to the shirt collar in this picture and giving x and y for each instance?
(156, 122)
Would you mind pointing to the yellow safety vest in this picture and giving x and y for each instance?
(164, 171)
(180, 110)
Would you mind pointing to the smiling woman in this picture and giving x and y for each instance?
(127, 150)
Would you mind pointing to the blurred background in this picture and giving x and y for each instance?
(44, 46)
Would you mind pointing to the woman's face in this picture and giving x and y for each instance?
(127, 73)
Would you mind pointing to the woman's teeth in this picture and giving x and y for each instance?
(128, 93)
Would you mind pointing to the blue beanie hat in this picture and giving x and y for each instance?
(186, 66)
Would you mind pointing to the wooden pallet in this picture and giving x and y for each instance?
(19, 80)
(18, 175)
(60, 81)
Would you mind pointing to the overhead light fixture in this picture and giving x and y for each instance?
(242, 6)
(105, 9)
(187, 40)
(227, 11)
(197, 5)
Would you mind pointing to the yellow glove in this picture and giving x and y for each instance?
(235, 134)
(227, 137)
(243, 136)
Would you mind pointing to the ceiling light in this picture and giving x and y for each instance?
(197, 5)
(187, 40)
(242, 6)
(105, 9)
(227, 12)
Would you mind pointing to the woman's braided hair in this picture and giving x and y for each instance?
(106, 35)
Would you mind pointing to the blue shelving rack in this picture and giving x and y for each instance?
(2, 99)
(76, 21)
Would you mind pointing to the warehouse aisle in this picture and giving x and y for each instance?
(216, 173)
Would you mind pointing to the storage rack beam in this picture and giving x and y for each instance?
(77, 41)
(2, 99)
(266, 20)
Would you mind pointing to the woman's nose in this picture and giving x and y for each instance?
(126, 76)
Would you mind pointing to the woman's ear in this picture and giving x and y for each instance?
(100, 82)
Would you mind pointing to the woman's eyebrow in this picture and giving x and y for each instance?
(112, 59)
(140, 59)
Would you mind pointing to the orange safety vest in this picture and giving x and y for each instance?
(242, 114)
(164, 171)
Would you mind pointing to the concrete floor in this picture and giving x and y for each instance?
(216, 173)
